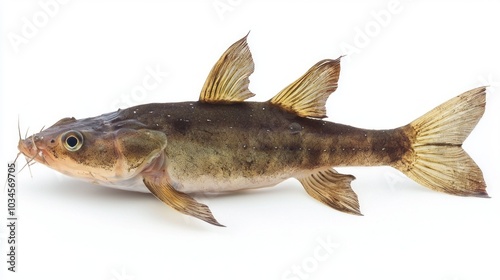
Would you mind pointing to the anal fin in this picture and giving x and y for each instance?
(333, 189)
(180, 201)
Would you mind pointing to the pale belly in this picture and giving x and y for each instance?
(202, 184)
(207, 184)
(133, 184)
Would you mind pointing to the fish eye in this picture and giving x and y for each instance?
(72, 140)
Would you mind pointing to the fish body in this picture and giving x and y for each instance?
(223, 143)
(216, 147)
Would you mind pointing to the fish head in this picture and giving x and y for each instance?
(95, 150)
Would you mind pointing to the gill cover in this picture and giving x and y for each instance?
(138, 148)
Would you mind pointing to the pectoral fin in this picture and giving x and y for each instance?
(180, 201)
(333, 189)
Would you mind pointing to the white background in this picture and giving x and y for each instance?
(403, 58)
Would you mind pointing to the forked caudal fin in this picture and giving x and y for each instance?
(436, 159)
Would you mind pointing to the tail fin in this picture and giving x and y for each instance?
(436, 158)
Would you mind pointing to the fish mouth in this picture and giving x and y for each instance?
(29, 148)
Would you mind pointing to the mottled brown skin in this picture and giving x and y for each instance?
(172, 149)
(223, 143)
(257, 138)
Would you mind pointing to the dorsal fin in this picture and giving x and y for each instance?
(228, 80)
(307, 96)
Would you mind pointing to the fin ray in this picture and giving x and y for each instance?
(228, 80)
(333, 189)
(180, 201)
(436, 158)
(307, 96)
